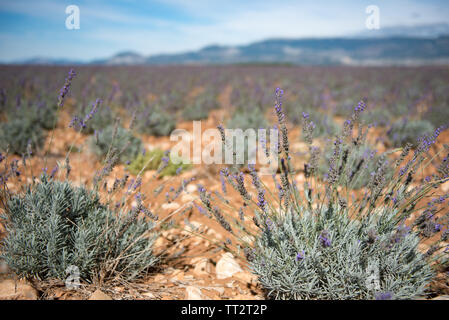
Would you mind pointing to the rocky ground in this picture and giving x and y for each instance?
(193, 266)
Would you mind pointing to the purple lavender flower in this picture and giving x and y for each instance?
(299, 256)
(324, 239)
(201, 209)
(130, 184)
(360, 107)
(269, 224)
(445, 235)
(74, 122)
(241, 215)
(401, 232)
(163, 164)
(384, 296)
(92, 111)
(261, 200)
(65, 89)
(280, 191)
(137, 184)
(223, 182)
(53, 171)
(222, 133)
(278, 106)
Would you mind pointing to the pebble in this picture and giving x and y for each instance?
(159, 278)
(441, 298)
(17, 290)
(191, 188)
(187, 198)
(227, 266)
(171, 206)
(3, 267)
(193, 293)
(246, 277)
(177, 275)
(99, 295)
(214, 234)
(202, 266)
(149, 295)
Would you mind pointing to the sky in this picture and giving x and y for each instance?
(31, 28)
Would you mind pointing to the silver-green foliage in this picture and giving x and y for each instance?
(55, 225)
(157, 121)
(359, 161)
(252, 119)
(321, 240)
(406, 131)
(293, 262)
(17, 134)
(200, 107)
(103, 118)
(119, 139)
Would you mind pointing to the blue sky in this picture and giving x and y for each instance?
(37, 28)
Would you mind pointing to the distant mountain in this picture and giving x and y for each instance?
(417, 45)
(329, 51)
(421, 31)
(123, 58)
(49, 61)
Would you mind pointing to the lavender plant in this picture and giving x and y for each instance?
(41, 114)
(17, 134)
(324, 241)
(324, 254)
(243, 120)
(54, 225)
(155, 122)
(115, 141)
(200, 107)
(360, 161)
(379, 117)
(96, 117)
(323, 125)
(408, 131)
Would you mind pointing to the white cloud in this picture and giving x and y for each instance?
(109, 27)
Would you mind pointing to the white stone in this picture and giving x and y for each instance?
(20, 290)
(170, 206)
(202, 266)
(3, 267)
(445, 187)
(187, 198)
(99, 295)
(149, 295)
(227, 266)
(193, 293)
(191, 188)
(195, 224)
